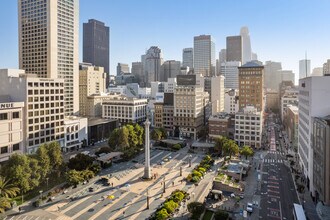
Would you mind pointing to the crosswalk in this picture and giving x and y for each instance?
(272, 161)
(275, 152)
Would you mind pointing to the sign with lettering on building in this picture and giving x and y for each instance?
(11, 105)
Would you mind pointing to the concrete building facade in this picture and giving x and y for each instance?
(248, 127)
(170, 69)
(12, 119)
(290, 97)
(251, 91)
(126, 110)
(304, 68)
(152, 63)
(321, 162)
(290, 123)
(48, 44)
(219, 125)
(44, 106)
(92, 81)
(272, 75)
(231, 101)
(313, 93)
(122, 68)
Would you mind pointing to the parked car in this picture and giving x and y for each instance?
(91, 189)
(249, 207)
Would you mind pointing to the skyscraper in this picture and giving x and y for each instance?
(137, 72)
(48, 44)
(234, 48)
(251, 86)
(204, 55)
(188, 58)
(230, 71)
(153, 62)
(272, 77)
(96, 45)
(246, 45)
(122, 68)
(304, 68)
(170, 69)
(326, 68)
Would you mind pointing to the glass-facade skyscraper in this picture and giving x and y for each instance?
(204, 55)
(96, 45)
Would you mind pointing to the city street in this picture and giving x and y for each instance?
(277, 189)
(127, 199)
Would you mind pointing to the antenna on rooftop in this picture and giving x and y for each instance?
(306, 63)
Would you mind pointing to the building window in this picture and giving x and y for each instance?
(4, 150)
(15, 147)
(3, 116)
(15, 114)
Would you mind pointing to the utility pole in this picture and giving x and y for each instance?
(181, 171)
(164, 185)
(148, 198)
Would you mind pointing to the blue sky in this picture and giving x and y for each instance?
(280, 30)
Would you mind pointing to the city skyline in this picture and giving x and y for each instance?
(270, 39)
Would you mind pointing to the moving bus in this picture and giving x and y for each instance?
(298, 212)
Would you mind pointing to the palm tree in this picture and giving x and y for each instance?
(7, 189)
(4, 204)
(230, 148)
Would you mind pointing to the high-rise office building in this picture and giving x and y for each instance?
(272, 77)
(137, 71)
(304, 68)
(122, 68)
(48, 44)
(188, 57)
(152, 62)
(287, 75)
(246, 45)
(234, 48)
(96, 45)
(170, 69)
(92, 81)
(313, 102)
(230, 71)
(204, 55)
(326, 68)
(251, 91)
(222, 56)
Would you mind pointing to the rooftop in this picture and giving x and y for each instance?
(251, 64)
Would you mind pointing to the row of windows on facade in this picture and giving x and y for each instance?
(44, 133)
(44, 119)
(246, 127)
(47, 105)
(5, 149)
(247, 117)
(8, 116)
(45, 139)
(253, 138)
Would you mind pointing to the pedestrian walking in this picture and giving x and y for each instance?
(173, 183)
(19, 209)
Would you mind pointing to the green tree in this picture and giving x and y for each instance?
(74, 177)
(221, 215)
(7, 189)
(170, 206)
(80, 162)
(87, 174)
(36, 172)
(103, 150)
(4, 204)
(139, 131)
(113, 139)
(95, 168)
(230, 148)
(43, 160)
(132, 137)
(177, 196)
(55, 156)
(246, 151)
(219, 142)
(156, 135)
(123, 138)
(18, 170)
(163, 133)
(176, 146)
(162, 214)
(196, 209)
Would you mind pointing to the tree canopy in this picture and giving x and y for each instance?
(246, 151)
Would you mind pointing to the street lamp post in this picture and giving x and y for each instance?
(148, 199)
(181, 171)
(47, 182)
(190, 156)
(164, 185)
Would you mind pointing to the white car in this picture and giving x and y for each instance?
(249, 207)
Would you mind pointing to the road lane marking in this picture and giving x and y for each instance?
(75, 204)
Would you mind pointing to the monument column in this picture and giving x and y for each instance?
(147, 172)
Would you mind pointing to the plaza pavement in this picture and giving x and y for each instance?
(130, 202)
